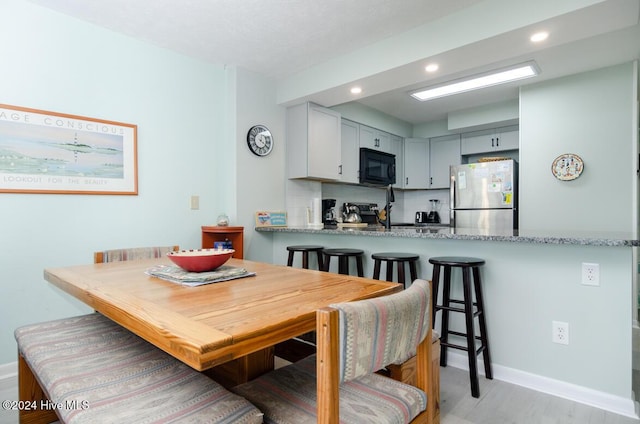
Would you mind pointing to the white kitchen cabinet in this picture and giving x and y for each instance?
(397, 148)
(350, 152)
(372, 138)
(443, 152)
(427, 162)
(314, 146)
(488, 141)
(416, 163)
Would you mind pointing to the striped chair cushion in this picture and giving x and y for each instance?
(288, 396)
(112, 375)
(135, 253)
(381, 331)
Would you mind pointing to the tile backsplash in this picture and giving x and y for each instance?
(300, 194)
(418, 200)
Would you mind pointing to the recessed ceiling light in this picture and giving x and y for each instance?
(539, 36)
(432, 67)
(356, 90)
(501, 76)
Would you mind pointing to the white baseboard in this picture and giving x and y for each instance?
(616, 404)
(9, 370)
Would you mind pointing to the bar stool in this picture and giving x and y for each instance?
(305, 249)
(343, 256)
(304, 345)
(400, 258)
(466, 264)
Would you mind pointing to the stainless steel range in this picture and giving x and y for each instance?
(368, 212)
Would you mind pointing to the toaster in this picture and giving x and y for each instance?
(422, 217)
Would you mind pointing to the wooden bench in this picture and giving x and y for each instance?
(88, 369)
(294, 350)
(406, 373)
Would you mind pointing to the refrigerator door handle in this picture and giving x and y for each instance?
(452, 200)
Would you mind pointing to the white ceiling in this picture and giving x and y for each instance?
(279, 38)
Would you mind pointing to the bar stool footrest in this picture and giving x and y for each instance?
(478, 350)
(461, 334)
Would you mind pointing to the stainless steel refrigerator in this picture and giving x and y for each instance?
(484, 195)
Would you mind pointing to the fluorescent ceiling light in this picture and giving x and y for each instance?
(474, 83)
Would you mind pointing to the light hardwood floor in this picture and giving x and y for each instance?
(499, 403)
(8, 391)
(505, 403)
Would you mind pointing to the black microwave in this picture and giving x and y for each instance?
(377, 168)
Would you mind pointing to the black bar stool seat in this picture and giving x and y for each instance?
(400, 258)
(469, 308)
(305, 249)
(343, 256)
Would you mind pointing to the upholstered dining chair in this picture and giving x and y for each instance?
(117, 255)
(340, 383)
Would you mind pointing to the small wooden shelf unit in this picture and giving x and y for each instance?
(211, 234)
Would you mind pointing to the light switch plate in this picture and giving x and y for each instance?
(195, 202)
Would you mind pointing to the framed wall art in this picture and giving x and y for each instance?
(48, 152)
(567, 167)
(271, 219)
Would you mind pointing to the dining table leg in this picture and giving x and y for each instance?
(243, 369)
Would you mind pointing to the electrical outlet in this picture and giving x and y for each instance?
(560, 332)
(590, 274)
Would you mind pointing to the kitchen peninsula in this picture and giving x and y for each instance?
(586, 238)
(530, 279)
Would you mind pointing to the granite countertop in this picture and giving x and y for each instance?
(586, 238)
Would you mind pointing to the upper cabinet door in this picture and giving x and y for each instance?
(508, 140)
(416, 163)
(324, 143)
(313, 142)
(443, 152)
(350, 152)
(488, 141)
(396, 147)
(372, 138)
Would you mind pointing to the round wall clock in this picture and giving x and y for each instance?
(567, 167)
(260, 140)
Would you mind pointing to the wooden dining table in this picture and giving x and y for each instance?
(227, 328)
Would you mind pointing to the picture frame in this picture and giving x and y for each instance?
(50, 152)
(271, 219)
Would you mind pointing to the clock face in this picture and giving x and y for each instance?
(260, 140)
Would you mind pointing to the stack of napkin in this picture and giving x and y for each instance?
(175, 274)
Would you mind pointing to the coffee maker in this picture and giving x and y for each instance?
(328, 212)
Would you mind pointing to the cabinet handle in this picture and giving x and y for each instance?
(339, 169)
(430, 180)
(407, 182)
(497, 142)
(492, 140)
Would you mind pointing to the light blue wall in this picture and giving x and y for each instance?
(523, 296)
(56, 63)
(260, 180)
(592, 115)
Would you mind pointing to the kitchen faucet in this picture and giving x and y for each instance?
(390, 198)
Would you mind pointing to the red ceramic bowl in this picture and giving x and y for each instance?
(200, 260)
